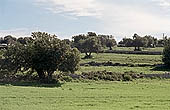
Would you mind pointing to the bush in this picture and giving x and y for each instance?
(166, 55)
(103, 75)
(127, 77)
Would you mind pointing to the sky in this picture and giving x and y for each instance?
(65, 18)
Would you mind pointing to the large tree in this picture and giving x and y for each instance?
(111, 43)
(45, 54)
(126, 42)
(107, 41)
(87, 44)
(152, 42)
(139, 42)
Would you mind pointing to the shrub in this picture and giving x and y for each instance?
(166, 54)
(127, 77)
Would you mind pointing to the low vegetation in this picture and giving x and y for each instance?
(124, 58)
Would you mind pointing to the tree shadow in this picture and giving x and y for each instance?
(32, 84)
(161, 68)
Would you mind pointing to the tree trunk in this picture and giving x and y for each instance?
(41, 74)
(138, 48)
(110, 48)
(50, 75)
(88, 55)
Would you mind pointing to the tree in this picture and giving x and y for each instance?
(107, 41)
(21, 40)
(70, 62)
(68, 42)
(152, 42)
(110, 43)
(103, 39)
(45, 54)
(126, 42)
(91, 34)
(166, 53)
(87, 44)
(9, 40)
(155, 42)
(1, 40)
(139, 42)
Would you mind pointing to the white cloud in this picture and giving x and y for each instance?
(163, 3)
(24, 32)
(125, 20)
(73, 7)
(19, 32)
(119, 18)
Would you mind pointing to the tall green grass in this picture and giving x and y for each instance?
(124, 58)
(137, 95)
(122, 69)
(157, 49)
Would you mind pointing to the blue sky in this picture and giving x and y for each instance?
(71, 17)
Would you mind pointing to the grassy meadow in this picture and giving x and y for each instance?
(136, 95)
(141, 94)
(157, 49)
(124, 59)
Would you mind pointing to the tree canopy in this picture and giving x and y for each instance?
(87, 43)
(45, 54)
(93, 43)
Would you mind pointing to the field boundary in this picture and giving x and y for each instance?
(109, 63)
(133, 52)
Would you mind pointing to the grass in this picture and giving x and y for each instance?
(123, 69)
(141, 94)
(124, 58)
(144, 49)
(137, 95)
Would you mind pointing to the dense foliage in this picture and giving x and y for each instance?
(87, 43)
(166, 53)
(93, 43)
(138, 41)
(45, 54)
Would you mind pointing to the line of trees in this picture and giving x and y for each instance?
(92, 43)
(45, 53)
(138, 41)
(101, 41)
(86, 43)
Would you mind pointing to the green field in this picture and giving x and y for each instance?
(141, 94)
(143, 49)
(122, 69)
(124, 59)
(136, 95)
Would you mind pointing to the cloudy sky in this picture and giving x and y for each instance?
(70, 17)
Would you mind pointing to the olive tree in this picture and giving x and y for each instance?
(139, 42)
(87, 44)
(107, 41)
(45, 54)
